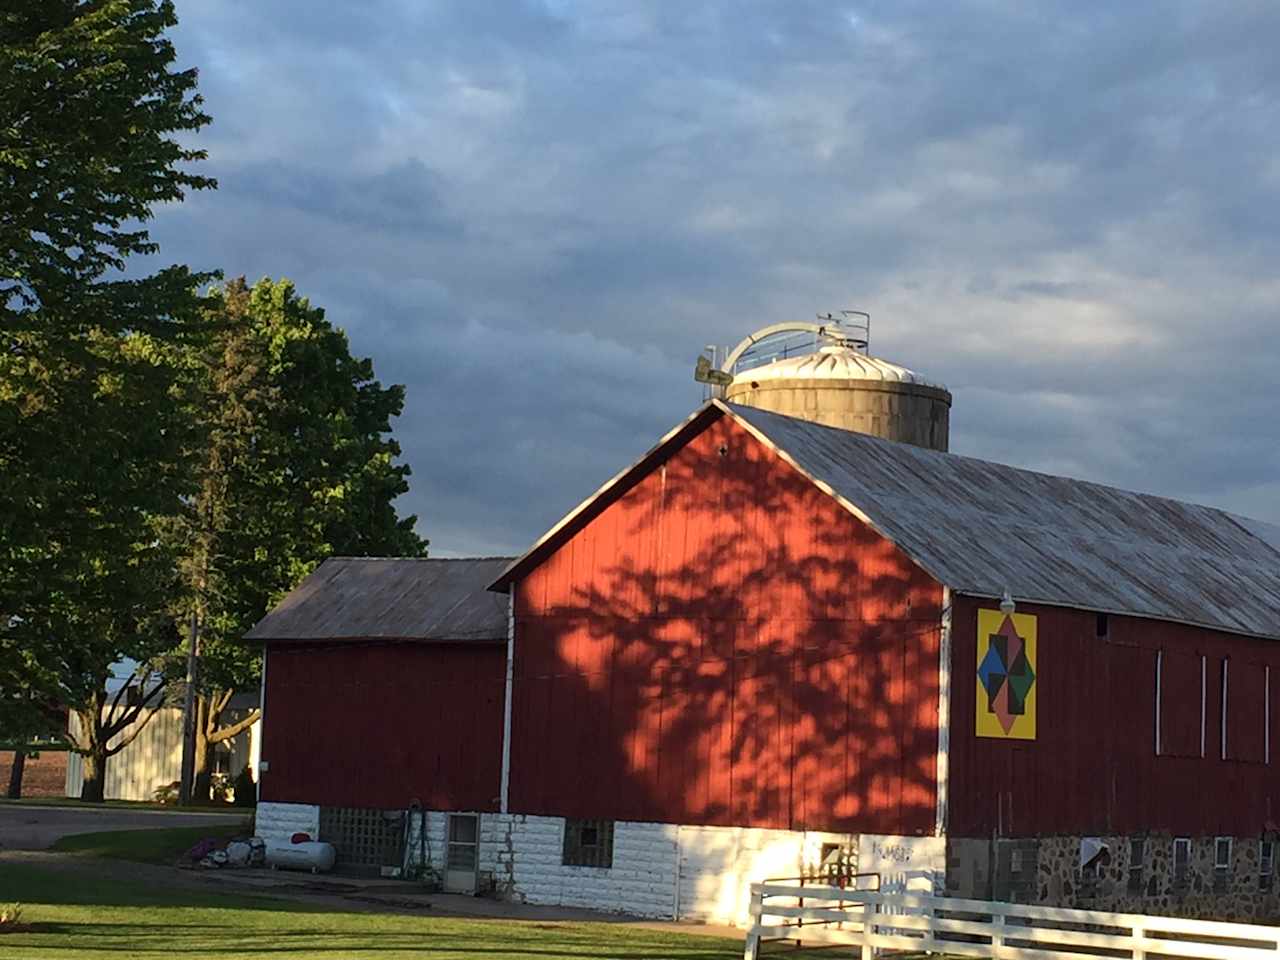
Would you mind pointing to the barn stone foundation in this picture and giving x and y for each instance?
(1048, 870)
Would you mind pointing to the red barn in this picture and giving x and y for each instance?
(369, 664)
(772, 647)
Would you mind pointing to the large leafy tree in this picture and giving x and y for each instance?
(92, 111)
(93, 115)
(295, 463)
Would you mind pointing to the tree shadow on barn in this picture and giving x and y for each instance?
(725, 644)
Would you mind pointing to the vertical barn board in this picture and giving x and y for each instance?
(806, 752)
(718, 687)
(1182, 684)
(922, 643)
(436, 732)
(1246, 711)
(1131, 741)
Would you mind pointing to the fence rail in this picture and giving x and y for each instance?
(890, 922)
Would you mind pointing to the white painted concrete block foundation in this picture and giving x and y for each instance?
(659, 870)
(277, 822)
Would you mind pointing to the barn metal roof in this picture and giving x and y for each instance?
(981, 528)
(375, 598)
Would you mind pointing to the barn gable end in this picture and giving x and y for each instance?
(722, 643)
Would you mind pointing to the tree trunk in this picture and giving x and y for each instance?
(202, 772)
(95, 771)
(15, 774)
(92, 747)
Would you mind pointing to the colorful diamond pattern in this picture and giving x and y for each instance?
(1006, 675)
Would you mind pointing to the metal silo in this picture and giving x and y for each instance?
(823, 372)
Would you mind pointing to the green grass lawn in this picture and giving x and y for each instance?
(160, 845)
(73, 916)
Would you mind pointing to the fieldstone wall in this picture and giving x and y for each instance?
(1238, 893)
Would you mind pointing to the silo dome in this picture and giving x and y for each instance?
(839, 386)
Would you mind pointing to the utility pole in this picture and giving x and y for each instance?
(189, 714)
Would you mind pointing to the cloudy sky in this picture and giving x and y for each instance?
(535, 214)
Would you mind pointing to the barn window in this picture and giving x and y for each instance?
(588, 843)
(838, 865)
(1181, 860)
(1137, 863)
(1103, 628)
(1266, 864)
(1221, 863)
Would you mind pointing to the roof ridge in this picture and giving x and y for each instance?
(344, 556)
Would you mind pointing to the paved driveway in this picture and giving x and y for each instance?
(28, 827)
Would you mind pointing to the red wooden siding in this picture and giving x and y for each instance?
(726, 645)
(1093, 768)
(363, 725)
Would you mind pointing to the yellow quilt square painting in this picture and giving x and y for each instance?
(1006, 704)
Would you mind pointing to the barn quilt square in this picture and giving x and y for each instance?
(1006, 703)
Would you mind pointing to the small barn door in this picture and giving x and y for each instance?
(462, 856)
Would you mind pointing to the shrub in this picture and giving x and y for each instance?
(246, 791)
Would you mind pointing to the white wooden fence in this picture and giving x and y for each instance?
(890, 922)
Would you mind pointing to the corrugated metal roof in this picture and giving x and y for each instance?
(350, 598)
(981, 528)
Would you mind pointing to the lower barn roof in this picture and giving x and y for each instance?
(377, 598)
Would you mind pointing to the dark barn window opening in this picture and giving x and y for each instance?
(588, 843)
(1137, 864)
(1181, 860)
(1221, 863)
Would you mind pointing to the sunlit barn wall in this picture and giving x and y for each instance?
(726, 645)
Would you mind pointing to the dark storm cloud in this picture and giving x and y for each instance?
(534, 214)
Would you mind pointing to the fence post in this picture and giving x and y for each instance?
(997, 935)
(751, 950)
(868, 928)
(1139, 951)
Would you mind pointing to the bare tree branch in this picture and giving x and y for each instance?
(226, 733)
(132, 714)
(133, 734)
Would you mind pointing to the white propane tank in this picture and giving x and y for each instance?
(314, 855)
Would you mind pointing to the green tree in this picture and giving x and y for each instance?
(88, 147)
(296, 463)
(101, 580)
(92, 112)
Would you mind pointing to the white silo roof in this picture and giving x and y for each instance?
(833, 363)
